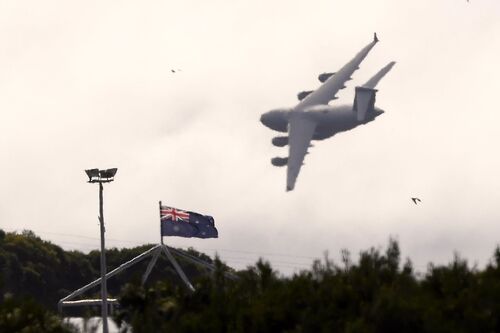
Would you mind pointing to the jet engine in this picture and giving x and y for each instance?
(303, 94)
(280, 141)
(276, 119)
(279, 161)
(324, 76)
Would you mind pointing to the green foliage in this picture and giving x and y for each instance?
(36, 268)
(375, 293)
(30, 266)
(26, 316)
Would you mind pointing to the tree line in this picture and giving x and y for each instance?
(377, 292)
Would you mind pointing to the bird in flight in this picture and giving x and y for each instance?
(415, 200)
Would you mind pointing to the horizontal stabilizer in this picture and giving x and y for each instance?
(364, 102)
(372, 83)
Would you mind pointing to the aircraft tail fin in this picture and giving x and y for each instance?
(364, 102)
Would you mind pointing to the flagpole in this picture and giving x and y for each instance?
(161, 236)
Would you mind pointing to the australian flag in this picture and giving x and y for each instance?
(176, 222)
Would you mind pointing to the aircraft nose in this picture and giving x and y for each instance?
(263, 118)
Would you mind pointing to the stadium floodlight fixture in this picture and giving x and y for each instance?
(101, 176)
(92, 174)
(108, 173)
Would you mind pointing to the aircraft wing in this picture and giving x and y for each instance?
(300, 133)
(327, 91)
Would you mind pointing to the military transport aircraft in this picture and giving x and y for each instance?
(314, 119)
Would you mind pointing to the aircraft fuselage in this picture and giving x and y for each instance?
(329, 120)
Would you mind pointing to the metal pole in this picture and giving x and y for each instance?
(177, 267)
(104, 290)
(161, 235)
(150, 266)
(112, 273)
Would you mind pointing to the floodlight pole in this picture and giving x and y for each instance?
(102, 176)
(104, 289)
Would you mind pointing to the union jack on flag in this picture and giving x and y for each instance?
(173, 214)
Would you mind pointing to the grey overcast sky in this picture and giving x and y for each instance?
(88, 84)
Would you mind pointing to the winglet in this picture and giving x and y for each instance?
(375, 38)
